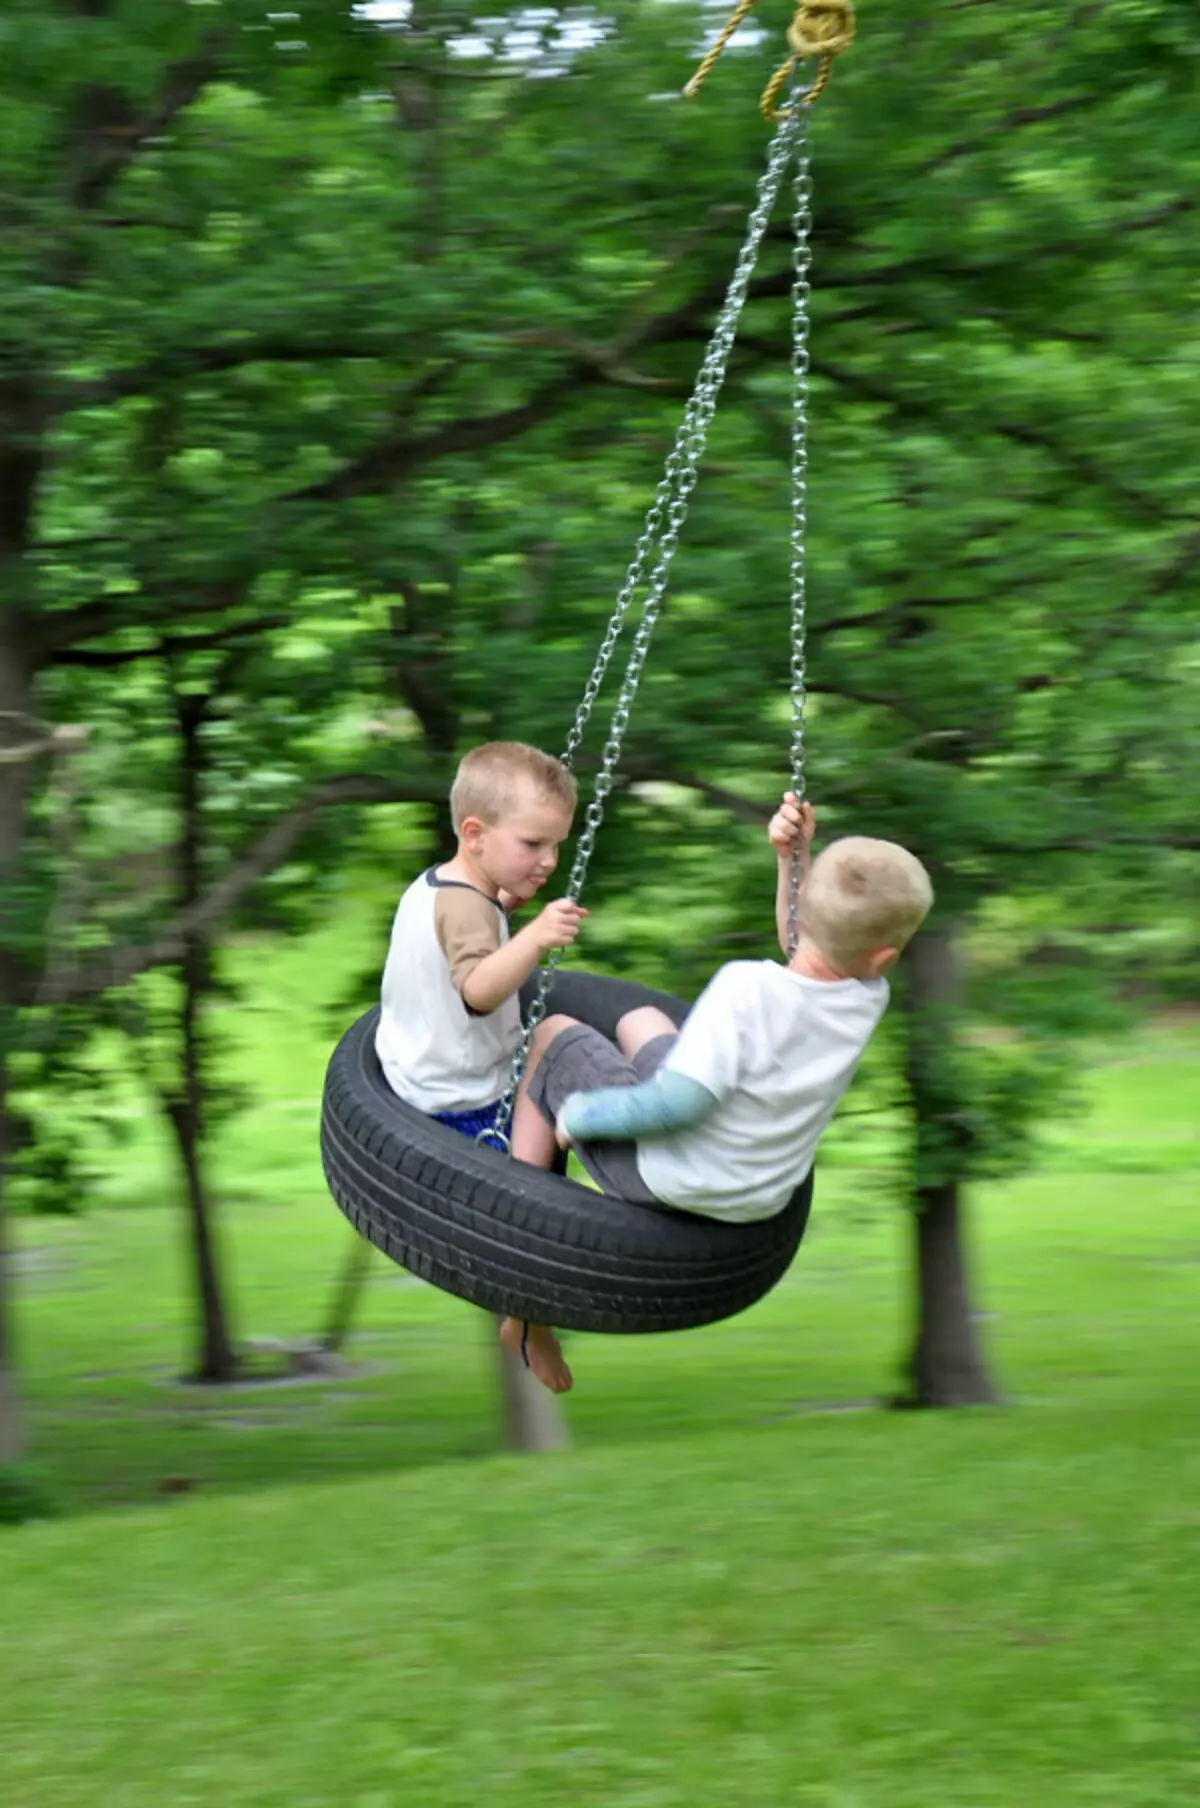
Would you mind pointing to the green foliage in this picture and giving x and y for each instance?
(25, 1494)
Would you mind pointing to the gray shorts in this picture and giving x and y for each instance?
(581, 1060)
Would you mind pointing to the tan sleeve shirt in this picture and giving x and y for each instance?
(467, 926)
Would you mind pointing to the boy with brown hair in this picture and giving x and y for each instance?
(450, 1020)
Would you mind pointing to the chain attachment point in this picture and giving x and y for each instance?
(820, 28)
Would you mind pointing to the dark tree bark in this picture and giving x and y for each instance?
(11, 1426)
(216, 1359)
(20, 466)
(423, 679)
(946, 1366)
(14, 780)
(346, 1295)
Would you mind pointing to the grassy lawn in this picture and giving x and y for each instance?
(743, 1586)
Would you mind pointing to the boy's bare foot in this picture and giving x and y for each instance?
(543, 1350)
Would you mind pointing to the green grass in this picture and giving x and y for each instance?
(743, 1586)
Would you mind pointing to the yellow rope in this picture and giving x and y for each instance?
(740, 12)
(821, 29)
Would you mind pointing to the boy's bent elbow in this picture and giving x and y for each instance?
(499, 976)
(480, 998)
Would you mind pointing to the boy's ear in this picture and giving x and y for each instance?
(471, 828)
(880, 961)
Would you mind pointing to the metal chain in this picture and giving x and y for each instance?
(684, 455)
(802, 241)
(671, 501)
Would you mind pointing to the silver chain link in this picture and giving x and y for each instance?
(697, 415)
(664, 522)
(802, 242)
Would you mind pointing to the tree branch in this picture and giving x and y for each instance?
(747, 810)
(36, 737)
(606, 362)
(98, 658)
(392, 460)
(1144, 503)
(1187, 554)
(116, 142)
(63, 628)
(871, 699)
(210, 360)
(116, 966)
(1012, 122)
(882, 274)
(743, 809)
(895, 611)
(396, 457)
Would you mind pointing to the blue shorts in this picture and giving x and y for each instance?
(472, 1123)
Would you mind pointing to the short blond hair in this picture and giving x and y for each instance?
(488, 781)
(863, 895)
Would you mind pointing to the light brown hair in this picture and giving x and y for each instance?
(488, 781)
(863, 895)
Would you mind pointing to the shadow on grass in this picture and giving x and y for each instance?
(421, 1388)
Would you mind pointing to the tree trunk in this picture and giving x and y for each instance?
(347, 1294)
(216, 1360)
(423, 680)
(533, 1417)
(15, 696)
(946, 1365)
(12, 1440)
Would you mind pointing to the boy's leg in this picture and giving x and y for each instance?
(644, 1024)
(582, 1060)
(533, 1141)
(582, 1057)
(532, 1137)
(579, 1058)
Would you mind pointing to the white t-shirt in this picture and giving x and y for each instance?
(436, 1053)
(778, 1050)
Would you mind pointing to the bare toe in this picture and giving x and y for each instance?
(541, 1351)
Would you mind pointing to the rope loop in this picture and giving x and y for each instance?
(821, 28)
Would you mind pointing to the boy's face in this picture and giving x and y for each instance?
(520, 851)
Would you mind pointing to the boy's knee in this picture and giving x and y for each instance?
(553, 1026)
(645, 1023)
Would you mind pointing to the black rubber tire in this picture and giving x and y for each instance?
(513, 1239)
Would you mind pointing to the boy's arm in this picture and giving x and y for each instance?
(661, 1105)
(484, 986)
(701, 1070)
(497, 976)
(790, 833)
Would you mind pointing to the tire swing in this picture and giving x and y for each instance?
(462, 1216)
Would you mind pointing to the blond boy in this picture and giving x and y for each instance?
(723, 1117)
(450, 1021)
